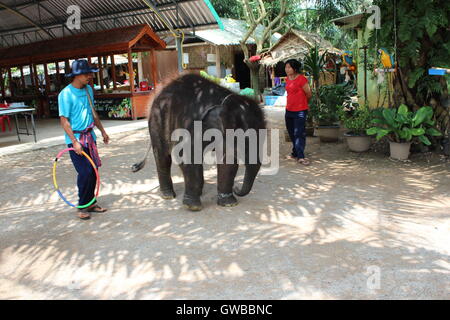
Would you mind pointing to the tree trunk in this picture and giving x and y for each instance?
(254, 78)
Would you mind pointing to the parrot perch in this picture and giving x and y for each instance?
(386, 59)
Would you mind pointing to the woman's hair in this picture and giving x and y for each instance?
(295, 64)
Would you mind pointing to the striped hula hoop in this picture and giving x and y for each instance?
(55, 183)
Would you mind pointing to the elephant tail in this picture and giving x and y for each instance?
(138, 166)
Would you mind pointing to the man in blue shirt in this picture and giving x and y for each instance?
(78, 120)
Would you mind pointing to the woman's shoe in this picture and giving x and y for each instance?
(304, 162)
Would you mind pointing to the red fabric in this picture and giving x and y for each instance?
(255, 58)
(296, 97)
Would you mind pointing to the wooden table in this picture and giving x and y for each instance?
(21, 111)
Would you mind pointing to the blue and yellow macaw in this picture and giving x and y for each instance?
(347, 58)
(387, 60)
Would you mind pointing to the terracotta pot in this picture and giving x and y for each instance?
(358, 143)
(400, 151)
(328, 133)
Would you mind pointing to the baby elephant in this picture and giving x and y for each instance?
(195, 105)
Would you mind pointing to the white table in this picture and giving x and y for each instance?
(24, 111)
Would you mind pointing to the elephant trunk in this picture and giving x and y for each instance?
(251, 171)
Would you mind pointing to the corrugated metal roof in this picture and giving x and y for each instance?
(98, 43)
(27, 21)
(234, 31)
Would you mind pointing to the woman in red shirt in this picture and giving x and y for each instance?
(298, 95)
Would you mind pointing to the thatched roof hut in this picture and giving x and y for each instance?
(294, 45)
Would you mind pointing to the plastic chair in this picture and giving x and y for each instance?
(4, 119)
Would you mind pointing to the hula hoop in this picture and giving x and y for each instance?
(55, 183)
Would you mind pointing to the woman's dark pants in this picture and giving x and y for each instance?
(296, 126)
(86, 176)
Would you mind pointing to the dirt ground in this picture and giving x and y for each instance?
(350, 226)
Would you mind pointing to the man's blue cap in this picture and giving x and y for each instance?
(81, 66)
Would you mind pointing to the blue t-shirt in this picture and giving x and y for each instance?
(74, 105)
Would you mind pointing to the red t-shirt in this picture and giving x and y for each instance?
(296, 97)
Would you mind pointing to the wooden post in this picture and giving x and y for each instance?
(11, 89)
(131, 80)
(100, 72)
(113, 66)
(154, 69)
(105, 63)
(45, 102)
(131, 71)
(58, 80)
(33, 85)
(22, 77)
(2, 85)
(272, 71)
(218, 62)
(67, 66)
(91, 83)
(36, 78)
(47, 79)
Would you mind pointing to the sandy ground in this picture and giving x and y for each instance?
(350, 226)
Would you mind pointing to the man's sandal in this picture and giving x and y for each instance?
(84, 215)
(97, 209)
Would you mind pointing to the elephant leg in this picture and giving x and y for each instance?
(163, 165)
(193, 181)
(225, 181)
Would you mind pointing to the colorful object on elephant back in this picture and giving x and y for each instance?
(55, 183)
(209, 77)
(229, 79)
(254, 58)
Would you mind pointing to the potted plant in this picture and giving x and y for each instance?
(357, 120)
(123, 110)
(403, 127)
(325, 110)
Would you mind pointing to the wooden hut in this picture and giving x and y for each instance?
(102, 44)
(295, 44)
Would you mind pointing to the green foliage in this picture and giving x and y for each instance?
(123, 110)
(228, 8)
(327, 101)
(356, 120)
(402, 125)
(314, 63)
(422, 43)
(317, 17)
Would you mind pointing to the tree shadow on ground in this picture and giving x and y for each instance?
(308, 232)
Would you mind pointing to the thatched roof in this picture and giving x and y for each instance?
(294, 45)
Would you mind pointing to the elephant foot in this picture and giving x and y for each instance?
(192, 203)
(226, 200)
(168, 194)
